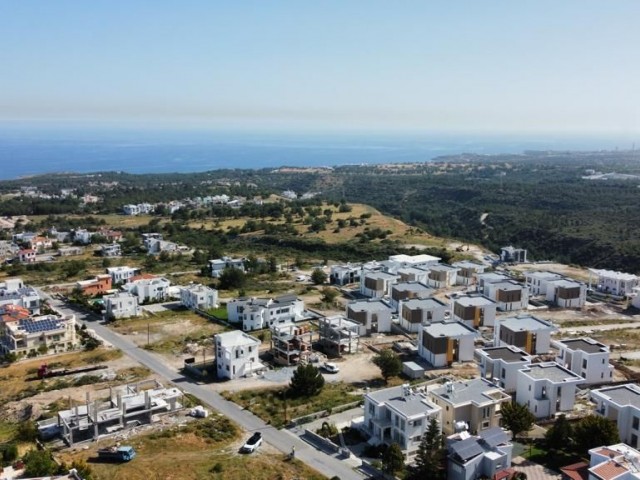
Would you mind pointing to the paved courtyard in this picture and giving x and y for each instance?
(534, 471)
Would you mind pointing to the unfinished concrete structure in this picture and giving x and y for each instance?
(291, 343)
(127, 407)
(339, 335)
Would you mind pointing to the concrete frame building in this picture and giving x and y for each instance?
(416, 312)
(621, 403)
(586, 357)
(442, 344)
(339, 335)
(532, 334)
(291, 343)
(398, 415)
(509, 295)
(500, 365)
(511, 254)
(475, 403)
(547, 388)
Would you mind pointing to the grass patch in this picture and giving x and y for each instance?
(270, 404)
(7, 431)
(220, 313)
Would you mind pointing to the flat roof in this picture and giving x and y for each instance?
(585, 344)
(544, 275)
(412, 287)
(508, 354)
(450, 329)
(613, 274)
(413, 259)
(368, 305)
(550, 371)
(408, 405)
(467, 264)
(623, 395)
(442, 268)
(509, 285)
(423, 303)
(492, 277)
(380, 275)
(567, 283)
(474, 301)
(525, 322)
(236, 338)
(477, 391)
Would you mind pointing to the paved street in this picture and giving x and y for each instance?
(281, 440)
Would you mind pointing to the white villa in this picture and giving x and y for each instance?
(622, 405)
(198, 297)
(416, 312)
(615, 283)
(237, 355)
(121, 305)
(374, 315)
(441, 344)
(531, 334)
(501, 365)
(258, 313)
(586, 357)
(474, 310)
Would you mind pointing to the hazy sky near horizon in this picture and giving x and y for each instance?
(488, 66)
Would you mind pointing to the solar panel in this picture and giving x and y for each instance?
(32, 326)
(467, 448)
(494, 436)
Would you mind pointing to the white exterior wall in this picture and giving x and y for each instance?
(465, 350)
(567, 303)
(259, 317)
(505, 372)
(122, 274)
(529, 392)
(239, 360)
(121, 305)
(199, 296)
(623, 415)
(437, 315)
(598, 369)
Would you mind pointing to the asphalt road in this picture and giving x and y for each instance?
(280, 439)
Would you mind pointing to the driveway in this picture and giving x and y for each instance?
(534, 471)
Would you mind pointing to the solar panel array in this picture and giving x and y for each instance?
(35, 326)
(494, 436)
(467, 448)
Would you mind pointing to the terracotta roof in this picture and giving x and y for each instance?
(608, 452)
(144, 276)
(609, 470)
(13, 313)
(576, 471)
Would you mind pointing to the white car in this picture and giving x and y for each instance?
(252, 444)
(330, 367)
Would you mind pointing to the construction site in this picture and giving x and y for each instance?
(128, 406)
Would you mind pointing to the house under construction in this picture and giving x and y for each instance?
(128, 407)
(339, 335)
(291, 343)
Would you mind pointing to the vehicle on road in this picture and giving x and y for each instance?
(330, 367)
(252, 444)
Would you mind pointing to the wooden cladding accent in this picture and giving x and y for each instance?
(509, 296)
(568, 293)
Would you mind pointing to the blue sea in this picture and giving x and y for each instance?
(26, 151)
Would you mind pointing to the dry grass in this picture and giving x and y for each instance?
(13, 377)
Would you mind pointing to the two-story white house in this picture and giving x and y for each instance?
(406, 290)
(441, 344)
(586, 357)
(345, 274)
(557, 289)
(621, 404)
(376, 283)
(153, 289)
(258, 313)
(198, 297)
(442, 276)
(547, 388)
(501, 365)
(532, 334)
(121, 305)
(474, 310)
(615, 283)
(467, 272)
(509, 295)
(374, 315)
(416, 312)
(487, 455)
(122, 274)
(476, 404)
(398, 415)
(217, 266)
(237, 355)
(412, 274)
(14, 292)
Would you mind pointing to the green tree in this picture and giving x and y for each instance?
(431, 458)
(594, 431)
(273, 264)
(27, 431)
(393, 459)
(307, 381)
(231, 278)
(9, 453)
(329, 295)
(389, 364)
(517, 418)
(318, 277)
(559, 436)
(39, 463)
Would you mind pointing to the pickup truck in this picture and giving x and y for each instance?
(252, 444)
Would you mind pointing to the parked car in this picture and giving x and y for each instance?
(252, 444)
(330, 367)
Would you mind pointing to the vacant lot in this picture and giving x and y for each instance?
(203, 449)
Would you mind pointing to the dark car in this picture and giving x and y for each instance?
(252, 444)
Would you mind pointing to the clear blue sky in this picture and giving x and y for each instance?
(487, 66)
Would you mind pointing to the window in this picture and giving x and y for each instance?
(584, 363)
(635, 423)
(529, 387)
(634, 440)
(504, 373)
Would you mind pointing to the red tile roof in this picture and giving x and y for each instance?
(609, 470)
(576, 471)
